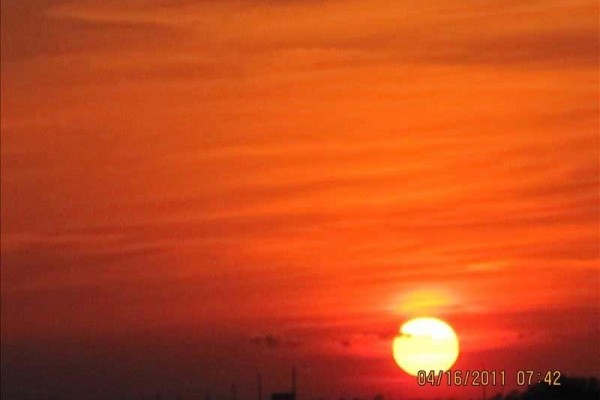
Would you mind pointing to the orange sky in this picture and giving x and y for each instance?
(231, 185)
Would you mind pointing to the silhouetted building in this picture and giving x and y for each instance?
(287, 395)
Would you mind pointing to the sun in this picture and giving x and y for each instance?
(425, 344)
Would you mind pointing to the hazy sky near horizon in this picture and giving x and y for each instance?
(228, 186)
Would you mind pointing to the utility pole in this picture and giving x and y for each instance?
(294, 388)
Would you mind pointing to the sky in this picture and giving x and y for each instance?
(195, 191)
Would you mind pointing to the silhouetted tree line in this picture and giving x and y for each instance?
(569, 389)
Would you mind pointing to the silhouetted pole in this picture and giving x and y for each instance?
(259, 386)
(233, 392)
(294, 382)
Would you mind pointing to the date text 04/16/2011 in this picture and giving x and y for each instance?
(487, 378)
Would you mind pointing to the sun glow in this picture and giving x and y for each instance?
(425, 344)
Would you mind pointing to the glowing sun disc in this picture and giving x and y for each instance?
(425, 344)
